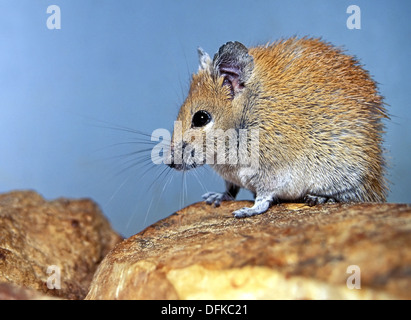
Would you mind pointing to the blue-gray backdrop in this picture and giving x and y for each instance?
(67, 95)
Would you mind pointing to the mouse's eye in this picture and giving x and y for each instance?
(200, 119)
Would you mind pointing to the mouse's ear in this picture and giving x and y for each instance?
(233, 62)
(204, 60)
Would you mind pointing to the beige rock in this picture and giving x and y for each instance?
(9, 291)
(68, 238)
(290, 252)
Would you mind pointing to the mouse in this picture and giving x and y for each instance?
(317, 118)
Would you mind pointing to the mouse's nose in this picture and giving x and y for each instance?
(175, 159)
(182, 157)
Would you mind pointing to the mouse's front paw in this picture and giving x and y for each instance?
(245, 212)
(260, 206)
(216, 198)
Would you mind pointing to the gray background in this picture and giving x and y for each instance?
(65, 94)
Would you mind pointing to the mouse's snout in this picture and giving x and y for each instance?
(183, 156)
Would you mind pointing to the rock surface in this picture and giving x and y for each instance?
(68, 238)
(9, 291)
(290, 252)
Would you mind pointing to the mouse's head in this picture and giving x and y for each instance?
(213, 106)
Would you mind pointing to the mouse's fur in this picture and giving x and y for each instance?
(318, 114)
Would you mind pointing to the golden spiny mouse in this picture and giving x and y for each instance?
(317, 112)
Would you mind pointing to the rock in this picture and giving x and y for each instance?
(67, 238)
(290, 252)
(10, 291)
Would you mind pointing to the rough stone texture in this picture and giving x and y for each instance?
(290, 252)
(35, 234)
(10, 291)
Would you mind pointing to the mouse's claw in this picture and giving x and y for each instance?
(216, 198)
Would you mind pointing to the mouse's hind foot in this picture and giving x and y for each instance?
(312, 200)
